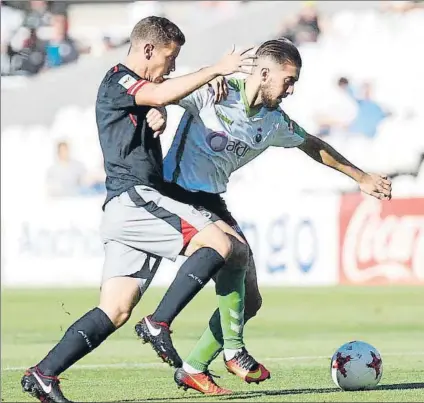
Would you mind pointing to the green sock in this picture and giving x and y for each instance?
(209, 345)
(227, 330)
(230, 291)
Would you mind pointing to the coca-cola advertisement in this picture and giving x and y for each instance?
(381, 242)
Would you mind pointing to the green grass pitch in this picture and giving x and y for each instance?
(295, 335)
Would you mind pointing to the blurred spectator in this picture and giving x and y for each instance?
(305, 27)
(38, 15)
(402, 6)
(60, 48)
(95, 181)
(336, 110)
(37, 39)
(26, 52)
(66, 176)
(11, 20)
(370, 114)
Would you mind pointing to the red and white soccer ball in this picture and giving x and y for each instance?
(356, 366)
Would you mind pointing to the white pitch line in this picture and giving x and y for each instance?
(319, 357)
(163, 365)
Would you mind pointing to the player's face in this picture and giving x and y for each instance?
(277, 82)
(162, 61)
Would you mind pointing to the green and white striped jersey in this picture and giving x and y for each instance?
(214, 140)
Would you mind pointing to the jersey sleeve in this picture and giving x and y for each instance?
(197, 100)
(288, 134)
(122, 89)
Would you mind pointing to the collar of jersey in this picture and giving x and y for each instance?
(125, 68)
(240, 85)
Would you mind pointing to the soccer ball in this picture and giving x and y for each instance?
(356, 366)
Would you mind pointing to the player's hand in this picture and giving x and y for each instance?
(156, 119)
(234, 62)
(220, 88)
(376, 185)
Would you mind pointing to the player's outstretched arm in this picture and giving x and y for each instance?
(375, 185)
(174, 89)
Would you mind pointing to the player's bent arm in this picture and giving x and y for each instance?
(174, 89)
(322, 152)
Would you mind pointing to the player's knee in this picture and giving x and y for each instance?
(122, 315)
(118, 298)
(211, 237)
(118, 314)
(240, 253)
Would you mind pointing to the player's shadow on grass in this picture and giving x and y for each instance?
(262, 393)
(416, 385)
(241, 395)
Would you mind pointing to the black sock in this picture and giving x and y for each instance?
(82, 337)
(193, 275)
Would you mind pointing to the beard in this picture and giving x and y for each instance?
(267, 99)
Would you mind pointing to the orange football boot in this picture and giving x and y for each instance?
(203, 382)
(247, 368)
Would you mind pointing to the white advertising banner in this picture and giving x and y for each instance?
(294, 238)
(57, 243)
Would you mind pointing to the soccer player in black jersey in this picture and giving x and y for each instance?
(140, 223)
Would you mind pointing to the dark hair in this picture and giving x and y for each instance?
(280, 50)
(159, 30)
(343, 81)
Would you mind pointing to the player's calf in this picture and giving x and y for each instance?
(252, 296)
(207, 254)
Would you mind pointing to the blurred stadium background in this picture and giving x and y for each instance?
(361, 89)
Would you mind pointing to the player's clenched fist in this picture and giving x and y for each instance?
(156, 119)
(236, 62)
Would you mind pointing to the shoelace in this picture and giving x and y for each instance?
(210, 377)
(245, 360)
(53, 379)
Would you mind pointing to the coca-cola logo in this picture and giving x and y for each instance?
(382, 240)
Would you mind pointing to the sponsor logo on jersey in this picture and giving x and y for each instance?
(225, 118)
(218, 141)
(127, 81)
(258, 137)
(205, 213)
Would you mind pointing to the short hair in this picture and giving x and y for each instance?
(281, 51)
(159, 30)
(343, 81)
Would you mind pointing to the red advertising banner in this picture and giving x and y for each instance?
(381, 242)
